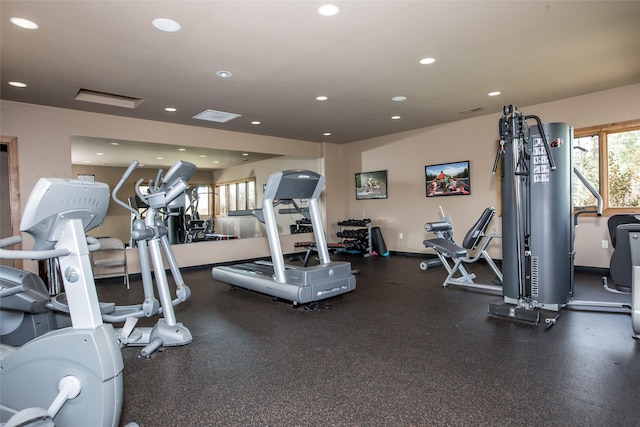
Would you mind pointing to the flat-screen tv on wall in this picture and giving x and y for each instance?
(371, 185)
(448, 179)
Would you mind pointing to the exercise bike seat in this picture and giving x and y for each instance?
(447, 247)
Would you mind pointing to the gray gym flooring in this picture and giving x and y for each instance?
(400, 350)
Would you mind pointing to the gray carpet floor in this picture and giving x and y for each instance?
(401, 350)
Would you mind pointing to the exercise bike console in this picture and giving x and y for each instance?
(42, 378)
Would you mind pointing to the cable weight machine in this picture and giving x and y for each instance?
(537, 238)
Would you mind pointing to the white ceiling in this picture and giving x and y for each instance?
(283, 54)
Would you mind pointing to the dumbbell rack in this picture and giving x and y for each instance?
(360, 237)
(302, 226)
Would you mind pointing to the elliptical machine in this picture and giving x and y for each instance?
(70, 376)
(150, 235)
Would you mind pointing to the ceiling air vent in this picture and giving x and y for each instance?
(473, 110)
(216, 116)
(108, 99)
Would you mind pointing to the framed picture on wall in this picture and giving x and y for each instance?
(448, 179)
(371, 185)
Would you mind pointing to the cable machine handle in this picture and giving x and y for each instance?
(544, 141)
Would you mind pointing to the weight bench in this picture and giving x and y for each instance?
(453, 256)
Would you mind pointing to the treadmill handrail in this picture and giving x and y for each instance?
(248, 212)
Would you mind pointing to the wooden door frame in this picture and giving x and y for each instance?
(14, 189)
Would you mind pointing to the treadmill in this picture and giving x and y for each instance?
(297, 284)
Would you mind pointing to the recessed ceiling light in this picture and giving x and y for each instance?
(216, 161)
(171, 109)
(203, 155)
(182, 149)
(427, 61)
(327, 134)
(24, 23)
(395, 117)
(224, 74)
(321, 98)
(399, 98)
(158, 158)
(99, 154)
(114, 143)
(328, 10)
(17, 84)
(255, 122)
(496, 93)
(166, 25)
(245, 154)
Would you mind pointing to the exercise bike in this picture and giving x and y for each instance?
(70, 376)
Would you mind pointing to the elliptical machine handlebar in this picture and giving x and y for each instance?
(162, 191)
(134, 164)
(139, 193)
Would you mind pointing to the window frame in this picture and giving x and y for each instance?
(603, 157)
(236, 184)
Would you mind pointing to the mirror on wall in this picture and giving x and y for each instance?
(105, 160)
(119, 153)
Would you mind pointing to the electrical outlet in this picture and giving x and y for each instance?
(401, 236)
(605, 244)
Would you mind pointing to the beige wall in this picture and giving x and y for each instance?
(405, 155)
(45, 150)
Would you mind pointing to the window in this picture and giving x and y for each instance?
(236, 195)
(608, 156)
